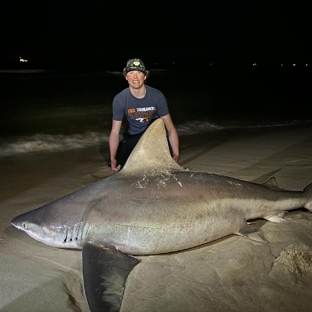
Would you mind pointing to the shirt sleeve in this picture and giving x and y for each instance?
(162, 106)
(118, 112)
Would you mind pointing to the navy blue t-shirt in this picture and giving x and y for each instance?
(139, 112)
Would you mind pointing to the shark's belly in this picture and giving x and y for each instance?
(174, 234)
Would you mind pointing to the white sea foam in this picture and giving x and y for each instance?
(197, 127)
(50, 143)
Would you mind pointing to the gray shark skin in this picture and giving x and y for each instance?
(152, 206)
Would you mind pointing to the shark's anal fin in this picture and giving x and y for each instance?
(251, 233)
(105, 271)
(245, 230)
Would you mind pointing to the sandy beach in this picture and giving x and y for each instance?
(268, 272)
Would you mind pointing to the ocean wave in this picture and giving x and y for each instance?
(44, 143)
(50, 143)
(197, 126)
(194, 127)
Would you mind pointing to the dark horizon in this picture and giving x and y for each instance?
(63, 33)
(190, 60)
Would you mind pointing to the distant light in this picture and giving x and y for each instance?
(306, 64)
(173, 63)
(254, 64)
(22, 60)
(210, 64)
(294, 65)
(282, 64)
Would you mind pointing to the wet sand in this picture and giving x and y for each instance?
(268, 272)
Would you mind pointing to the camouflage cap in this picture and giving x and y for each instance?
(135, 64)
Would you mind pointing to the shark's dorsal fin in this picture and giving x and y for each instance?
(151, 154)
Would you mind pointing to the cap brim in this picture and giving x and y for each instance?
(135, 68)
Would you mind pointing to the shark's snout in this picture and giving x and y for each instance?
(19, 223)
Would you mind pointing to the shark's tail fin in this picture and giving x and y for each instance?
(307, 192)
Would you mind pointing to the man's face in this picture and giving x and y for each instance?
(135, 78)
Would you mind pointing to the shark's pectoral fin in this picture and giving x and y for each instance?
(105, 271)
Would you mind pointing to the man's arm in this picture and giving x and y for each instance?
(114, 142)
(173, 136)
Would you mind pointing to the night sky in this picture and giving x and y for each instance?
(110, 31)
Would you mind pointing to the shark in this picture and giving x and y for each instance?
(152, 206)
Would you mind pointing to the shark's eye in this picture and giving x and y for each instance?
(24, 225)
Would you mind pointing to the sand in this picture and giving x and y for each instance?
(270, 271)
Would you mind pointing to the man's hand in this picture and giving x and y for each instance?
(113, 144)
(175, 158)
(114, 166)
